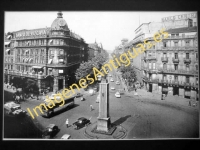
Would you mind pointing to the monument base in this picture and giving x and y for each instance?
(103, 124)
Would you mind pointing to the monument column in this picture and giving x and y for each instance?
(103, 122)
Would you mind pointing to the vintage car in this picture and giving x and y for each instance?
(112, 88)
(111, 80)
(117, 94)
(66, 136)
(117, 82)
(50, 131)
(81, 122)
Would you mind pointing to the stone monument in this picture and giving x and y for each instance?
(103, 122)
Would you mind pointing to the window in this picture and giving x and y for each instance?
(172, 35)
(154, 65)
(164, 44)
(150, 65)
(196, 56)
(164, 77)
(183, 35)
(51, 52)
(176, 55)
(176, 44)
(164, 55)
(149, 54)
(176, 66)
(176, 78)
(187, 79)
(195, 24)
(164, 66)
(187, 67)
(61, 52)
(190, 23)
(187, 43)
(197, 68)
(187, 55)
(197, 81)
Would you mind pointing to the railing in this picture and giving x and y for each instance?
(179, 48)
(38, 76)
(178, 71)
(187, 85)
(180, 37)
(164, 81)
(181, 83)
(152, 71)
(164, 59)
(154, 80)
(151, 58)
(187, 60)
(175, 60)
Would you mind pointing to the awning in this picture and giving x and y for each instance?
(7, 50)
(61, 60)
(6, 43)
(27, 50)
(50, 60)
(37, 67)
(26, 60)
(30, 59)
(8, 36)
(50, 41)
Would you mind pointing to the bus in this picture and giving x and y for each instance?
(69, 102)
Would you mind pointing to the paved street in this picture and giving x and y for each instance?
(143, 116)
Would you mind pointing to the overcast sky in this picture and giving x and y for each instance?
(107, 27)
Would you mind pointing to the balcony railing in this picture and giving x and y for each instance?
(187, 85)
(164, 81)
(179, 48)
(153, 80)
(164, 59)
(152, 71)
(175, 60)
(193, 72)
(187, 60)
(17, 73)
(181, 83)
(151, 58)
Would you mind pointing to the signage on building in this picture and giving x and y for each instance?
(179, 17)
(32, 33)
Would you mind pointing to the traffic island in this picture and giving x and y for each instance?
(115, 132)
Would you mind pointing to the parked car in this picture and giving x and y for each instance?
(66, 136)
(81, 122)
(78, 95)
(117, 82)
(111, 80)
(50, 131)
(117, 94)
(112, 88)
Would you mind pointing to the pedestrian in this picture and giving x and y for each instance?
(161, 96)
(67, 123)
(189, 103)
(91, 107)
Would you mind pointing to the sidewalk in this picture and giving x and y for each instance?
(142, 93)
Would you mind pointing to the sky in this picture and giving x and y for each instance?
(106, 27)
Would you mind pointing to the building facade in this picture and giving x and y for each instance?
(49, 56)
(171, 66)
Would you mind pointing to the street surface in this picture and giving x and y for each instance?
(143, 116)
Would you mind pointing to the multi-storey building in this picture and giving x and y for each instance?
(95, 49)
(171, 66)
(49, 56)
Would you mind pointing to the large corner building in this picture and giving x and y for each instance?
(49, 56)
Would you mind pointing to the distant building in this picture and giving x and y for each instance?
(48, 56)
(94, 49)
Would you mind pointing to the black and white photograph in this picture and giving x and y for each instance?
(100, 75)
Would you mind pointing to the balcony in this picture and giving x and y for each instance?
(152, 71)
(153, 80)
(177, 48)
(17, 73)
(187, 85)
(194, 85)
(164, 59)
(175, 60)
(187, 60)
(181, 83)
(165, 82)
(151, 58)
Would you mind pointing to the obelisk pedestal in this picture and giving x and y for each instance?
(103, 122)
